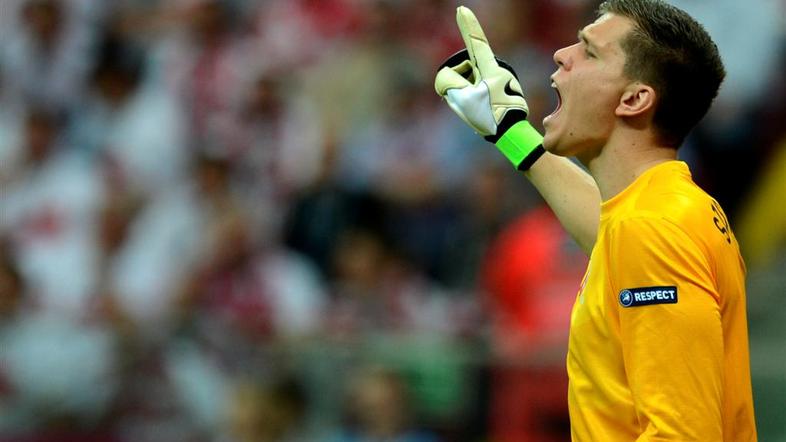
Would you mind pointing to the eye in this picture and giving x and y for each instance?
(588, 53)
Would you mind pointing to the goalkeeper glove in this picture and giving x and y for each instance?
(485, 92)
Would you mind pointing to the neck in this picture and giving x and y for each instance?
(623, 159)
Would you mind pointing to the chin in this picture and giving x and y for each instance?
(552, 139)
(551, 143)
(561, 144)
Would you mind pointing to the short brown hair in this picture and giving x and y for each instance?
(673, 53)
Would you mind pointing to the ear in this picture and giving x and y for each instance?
(636, 99)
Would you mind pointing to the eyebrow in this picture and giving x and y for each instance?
(583, 38)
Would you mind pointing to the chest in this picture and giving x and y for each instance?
(595, 312)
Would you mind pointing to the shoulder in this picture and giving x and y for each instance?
(674, 202)
(652, 231)
(672, 193)
(673, 217)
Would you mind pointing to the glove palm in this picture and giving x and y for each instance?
(485, 92)
(479, 87)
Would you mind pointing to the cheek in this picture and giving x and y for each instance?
(590, 118)
(598, 104)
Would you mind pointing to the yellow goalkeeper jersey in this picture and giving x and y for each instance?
(658, 337)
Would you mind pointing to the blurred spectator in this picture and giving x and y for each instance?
(46, 50)
(271, 412)
(376, 290)
(293, 33)
(259, 288)
(10, 120)
(276, 146)
(412, 160)
(48, 208)
(362, 73)
(199, 195)
(115, 219)
(486, 205)
(63, 372)
(148, 405)
(147, 247)
(12, 290)
(12, 300)
(11, 285)
(379, 409)
(56, 375)
(319, 215)
(260, 294)
(532, 273)
(374, 158)
(132, 124)
(203, 58)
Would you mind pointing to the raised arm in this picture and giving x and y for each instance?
(485, 92)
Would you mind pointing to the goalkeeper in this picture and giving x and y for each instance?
(658, 345)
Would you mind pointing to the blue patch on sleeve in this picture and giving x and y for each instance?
(637, 297)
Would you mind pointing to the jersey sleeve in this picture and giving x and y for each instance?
(670, 329)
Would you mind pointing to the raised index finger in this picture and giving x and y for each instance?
(475, 40)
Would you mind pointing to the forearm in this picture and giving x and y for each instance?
(571, 193)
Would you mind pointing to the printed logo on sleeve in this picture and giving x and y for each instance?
(636, 297)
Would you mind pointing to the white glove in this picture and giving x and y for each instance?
(474, 84)
(485, 92)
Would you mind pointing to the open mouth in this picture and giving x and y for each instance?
(559, 98)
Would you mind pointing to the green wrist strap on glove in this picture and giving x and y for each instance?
(484, 91)
(522, 145)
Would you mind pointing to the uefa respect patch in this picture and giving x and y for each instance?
(637, 297)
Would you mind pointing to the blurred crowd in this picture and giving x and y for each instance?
(240, 220)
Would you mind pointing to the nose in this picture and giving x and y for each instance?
(563, 59)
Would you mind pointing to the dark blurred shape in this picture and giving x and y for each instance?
(116, 219)
(267, 412)
(320, 216)
(119, 68)
(45, 20)
(210, 20)
(12, 285)
(42, 129)
(380, 408)
(762, 221)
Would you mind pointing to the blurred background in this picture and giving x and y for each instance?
(255, 221)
